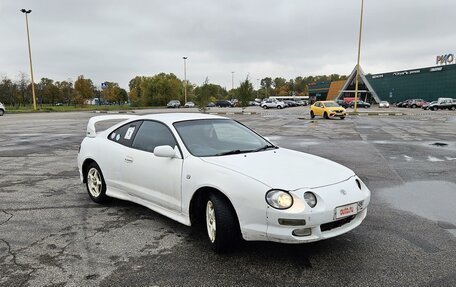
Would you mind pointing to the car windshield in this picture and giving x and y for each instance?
(331, 104)
(218, 137)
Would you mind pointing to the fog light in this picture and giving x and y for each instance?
(302, 232)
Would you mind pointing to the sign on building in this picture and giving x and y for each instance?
(445, 59)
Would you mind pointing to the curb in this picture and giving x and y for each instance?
(377, 114)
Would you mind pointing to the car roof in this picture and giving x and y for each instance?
(170, 118)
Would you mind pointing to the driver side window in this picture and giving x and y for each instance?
(152, 134)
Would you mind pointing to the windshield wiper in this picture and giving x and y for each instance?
(236, 151)
(265, 147)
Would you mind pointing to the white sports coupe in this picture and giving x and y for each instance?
(198, 168)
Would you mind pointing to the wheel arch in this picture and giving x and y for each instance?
(196, 207)
(85, 166)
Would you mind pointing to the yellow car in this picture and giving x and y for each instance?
(327, 109)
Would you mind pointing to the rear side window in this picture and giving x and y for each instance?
(125, 134)
(152, 134)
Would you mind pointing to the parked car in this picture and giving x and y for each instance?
(428, 105)
(360, 104)
(272, 103)
(173, 104)
(301, 103)
(210, 105)
(403, 104)
(415, 103)
(182, 165)
(223, 104)
(290, 103)
(343, 103)
(254, 103)
(189, 105)
(443, 104)
(383, 104)
(2, 109)
(327, 109)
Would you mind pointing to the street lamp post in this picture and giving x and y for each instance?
(185, 78)
(359, 53)
(258, 86)
(26, 12)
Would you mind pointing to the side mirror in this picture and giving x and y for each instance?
(164, 151)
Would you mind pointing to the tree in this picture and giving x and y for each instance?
(84, 89)
(23, 92)
(66, 91)
(8, 91)
(135, 85)
(48, 93)
(157, 90)
(113, 93)
(266, 83)
(203, 96)
(245, 93)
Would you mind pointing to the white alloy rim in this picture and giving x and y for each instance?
(210, 221)
(94, 182)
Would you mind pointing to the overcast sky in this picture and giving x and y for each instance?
(118, 40)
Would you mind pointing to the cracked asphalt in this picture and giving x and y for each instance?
(52, 234)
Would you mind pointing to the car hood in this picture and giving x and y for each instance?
(284, 169)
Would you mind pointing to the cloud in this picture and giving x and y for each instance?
(117, 40)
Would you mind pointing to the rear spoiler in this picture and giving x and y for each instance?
(91, 131)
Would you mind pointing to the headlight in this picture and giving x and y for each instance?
(279, 199)
(310, 198)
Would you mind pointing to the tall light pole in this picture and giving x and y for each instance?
(232, 80)
(185, 78)
(359, 53)
(26, 12)
(258, 86)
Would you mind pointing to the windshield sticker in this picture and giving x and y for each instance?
(129, 133)
(118, 137)
(113, 135)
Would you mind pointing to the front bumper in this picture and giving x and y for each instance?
(320, 221)
(337, 114)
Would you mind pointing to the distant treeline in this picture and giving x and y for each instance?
(154, 90)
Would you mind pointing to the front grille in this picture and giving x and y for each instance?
(336, 224)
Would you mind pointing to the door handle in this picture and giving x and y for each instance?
(128, 159)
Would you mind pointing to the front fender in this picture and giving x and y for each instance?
(245, 194)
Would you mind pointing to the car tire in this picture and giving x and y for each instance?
(2, 112)
(312, 115)
(342, 118)
(452, 108)
(434, 108)
(413, 106)
(221, 223)
(325, 115)
(279, 107)
(265, 107)
(95, 183)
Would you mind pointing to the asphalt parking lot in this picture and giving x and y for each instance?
(52, 234)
